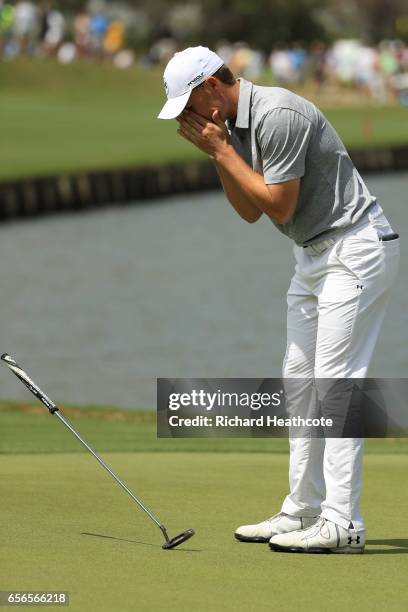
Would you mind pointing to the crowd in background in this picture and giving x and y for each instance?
(379, 72)
(40, 30)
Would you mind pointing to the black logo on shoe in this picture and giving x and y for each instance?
(359, 286)
(356, 540)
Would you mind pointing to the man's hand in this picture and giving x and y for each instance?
(211, 137)
(245, 188)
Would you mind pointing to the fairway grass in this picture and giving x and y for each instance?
(58, 119)
(66, 526)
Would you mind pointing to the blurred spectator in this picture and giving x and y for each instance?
(225, 50)
(25, 26)
(388, 58)
(298, 57)
(245, 61)
(114, 38)
(43, 10)
(282, 67)
(160, 52)
(6, 25)
(253, 69)
(52, 29)
(318, 59)
(240, 58)
(391, 62)
(97, 28)
(82, 34)
(367, 74)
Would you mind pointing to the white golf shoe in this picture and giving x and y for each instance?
(280, 523)
(322, 537)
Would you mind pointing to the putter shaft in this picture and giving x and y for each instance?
(54, 410)
(108, 469)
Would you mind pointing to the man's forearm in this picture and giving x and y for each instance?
(247, 191)
(236, 197)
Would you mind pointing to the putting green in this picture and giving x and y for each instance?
(66, 526)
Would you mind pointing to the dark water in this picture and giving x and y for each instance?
(96, 306)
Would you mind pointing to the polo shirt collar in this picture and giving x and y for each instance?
(244, 103)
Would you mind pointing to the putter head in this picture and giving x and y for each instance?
(179, 539)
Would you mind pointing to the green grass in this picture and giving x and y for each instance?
(70, 118)
(66, 526)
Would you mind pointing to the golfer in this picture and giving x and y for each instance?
(277, 155)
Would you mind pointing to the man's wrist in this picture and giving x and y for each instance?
(223, 155)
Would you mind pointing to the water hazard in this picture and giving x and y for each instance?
(97, 305)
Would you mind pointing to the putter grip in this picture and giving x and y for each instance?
(30, 384)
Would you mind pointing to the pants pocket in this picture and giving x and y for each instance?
(368, 258)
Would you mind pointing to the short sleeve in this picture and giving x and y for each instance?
(283, 137)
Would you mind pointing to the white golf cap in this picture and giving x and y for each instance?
(186, 70)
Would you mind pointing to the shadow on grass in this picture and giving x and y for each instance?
(108, 537)
(397, 547)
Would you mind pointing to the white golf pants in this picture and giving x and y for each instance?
(336, 305)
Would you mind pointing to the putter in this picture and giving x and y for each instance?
(54, 410)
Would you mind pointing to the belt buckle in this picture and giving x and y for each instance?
(322, 246)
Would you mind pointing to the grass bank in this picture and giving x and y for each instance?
(58, 119)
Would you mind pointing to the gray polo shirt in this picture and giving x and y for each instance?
(284, 136)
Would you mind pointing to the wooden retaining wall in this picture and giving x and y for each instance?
(81, 191)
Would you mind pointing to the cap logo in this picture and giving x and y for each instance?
(197, 78)
(166, 87)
